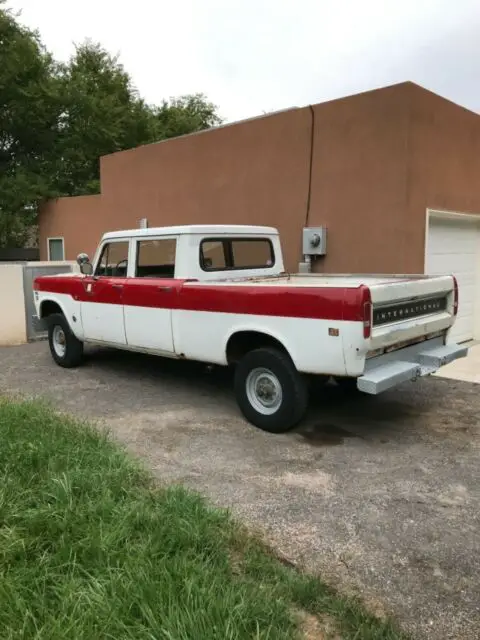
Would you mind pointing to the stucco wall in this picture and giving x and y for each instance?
(13, 328)
(80, 221)
(443, 162)
(255, 172)
(379, 160)
(359, 178)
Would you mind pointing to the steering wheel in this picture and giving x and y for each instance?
(117, 266)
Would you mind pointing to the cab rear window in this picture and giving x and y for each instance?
(221, 254)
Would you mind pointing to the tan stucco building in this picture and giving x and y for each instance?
(394, 175)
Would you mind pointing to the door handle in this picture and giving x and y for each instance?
(165, 289)
(117, 286)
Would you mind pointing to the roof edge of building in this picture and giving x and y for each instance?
(396, 86)
(225, 125)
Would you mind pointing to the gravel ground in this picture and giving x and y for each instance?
(379, 495)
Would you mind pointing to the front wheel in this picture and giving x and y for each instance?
(65, 347)
(270, 392)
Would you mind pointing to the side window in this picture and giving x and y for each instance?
(252, 254)
(113, 260)
(239, 253)
(213, 255)
(156, 258)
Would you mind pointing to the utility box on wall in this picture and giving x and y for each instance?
(314, 241)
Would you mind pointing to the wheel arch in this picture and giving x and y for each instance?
(245, 339)
(49, 307)
(52, 305)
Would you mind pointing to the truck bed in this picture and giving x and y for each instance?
(402, 307)
(330, 280)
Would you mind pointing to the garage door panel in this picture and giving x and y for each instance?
(461, 331)
(467, 292)
(465, 317)
(453, 247)
(451, 235)
(466, 299)
(461, 263)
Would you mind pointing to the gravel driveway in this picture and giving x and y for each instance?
(379, 494)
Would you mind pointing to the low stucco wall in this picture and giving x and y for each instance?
(13, 325)
(13, 314)
(51, 264)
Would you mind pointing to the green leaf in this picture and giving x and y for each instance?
(56, 120)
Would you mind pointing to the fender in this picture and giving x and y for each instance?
(68, 306)
(267, 331)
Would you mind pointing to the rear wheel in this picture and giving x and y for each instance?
(66, 349)
(270, 392)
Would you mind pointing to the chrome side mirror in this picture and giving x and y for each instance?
(84, 263)
(86, 268)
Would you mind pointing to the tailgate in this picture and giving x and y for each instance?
(407, 309)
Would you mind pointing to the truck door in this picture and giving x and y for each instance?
(102, 303)
(151, 294)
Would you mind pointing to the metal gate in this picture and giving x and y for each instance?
(35, 330)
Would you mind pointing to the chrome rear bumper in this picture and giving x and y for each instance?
(410, 363)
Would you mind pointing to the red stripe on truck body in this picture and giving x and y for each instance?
(323, 303)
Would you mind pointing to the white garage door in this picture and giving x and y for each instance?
(453, 247)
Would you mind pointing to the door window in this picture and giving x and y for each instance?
(156, 258)
(113, 260)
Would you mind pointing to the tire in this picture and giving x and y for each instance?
(72, 354)
(270, 392)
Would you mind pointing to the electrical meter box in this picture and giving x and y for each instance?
(314, 241)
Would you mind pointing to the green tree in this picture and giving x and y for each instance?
(103, 114)
(56, 120)
(29, 110)
(186, 114)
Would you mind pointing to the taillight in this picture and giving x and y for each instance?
(366, 302)
(455, 296)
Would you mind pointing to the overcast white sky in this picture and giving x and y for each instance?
(255, 56)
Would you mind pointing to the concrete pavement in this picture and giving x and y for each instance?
(466, 369)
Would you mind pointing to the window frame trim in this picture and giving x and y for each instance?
(62, 238)
(227, 243)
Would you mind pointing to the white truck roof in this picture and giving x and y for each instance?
(202, 229)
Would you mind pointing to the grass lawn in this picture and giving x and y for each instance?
(90, 548)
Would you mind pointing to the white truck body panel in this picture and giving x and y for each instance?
(332, 345)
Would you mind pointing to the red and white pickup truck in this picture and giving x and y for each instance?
(219, 294)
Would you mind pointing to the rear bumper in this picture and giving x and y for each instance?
(410, 363)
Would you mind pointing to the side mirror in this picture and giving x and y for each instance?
(84, 263)
(86, 268)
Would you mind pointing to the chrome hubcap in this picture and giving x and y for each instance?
(59, 341)
(264, 391)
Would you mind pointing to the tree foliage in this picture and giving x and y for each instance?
(56, 120)
(29, 109)
(185, 114)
